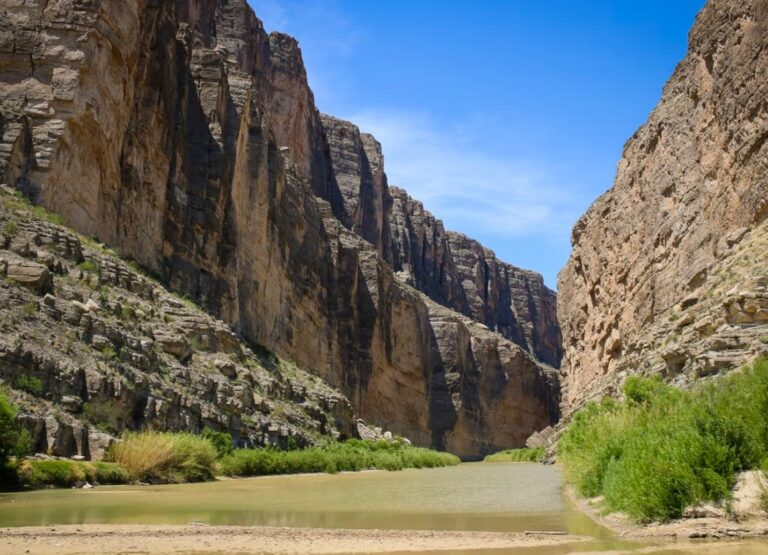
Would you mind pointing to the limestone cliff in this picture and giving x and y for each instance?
(668, 271)
(182, 134)
(450, 268)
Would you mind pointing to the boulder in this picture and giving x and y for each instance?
(25, 272)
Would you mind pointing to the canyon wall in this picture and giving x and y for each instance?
(668, 271)
(451, 269)
(183, 135)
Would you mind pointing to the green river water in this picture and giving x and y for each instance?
(475, 496)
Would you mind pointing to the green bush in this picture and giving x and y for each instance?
(664, 449)
(89, 266)
(14, 442)
(41, 213)
(30, 309)
(353, 455)
(221, 441)
(518, 455)
(65, 473)
(164, 457)
(10, 228)
(110, 473)
(30, 384)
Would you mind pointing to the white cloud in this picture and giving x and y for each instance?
(456, 178)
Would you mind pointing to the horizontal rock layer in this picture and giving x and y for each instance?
(108, 349)
(183, 134)
(647, 286)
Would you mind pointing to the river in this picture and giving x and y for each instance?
(487, 497)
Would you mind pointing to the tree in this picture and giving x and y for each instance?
(14, 442)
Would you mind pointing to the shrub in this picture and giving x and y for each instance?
(65, 473)
(30, 309)
(31, 384)
(108, 352)
(127, 313)
(14, 442)
(165, 457)
(10, 228)
(221, 441)
(664, 449)
(352, 455)
(89, 266)
(518, 455)
(110, 473)
(41, 213)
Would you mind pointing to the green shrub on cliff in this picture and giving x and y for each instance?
(663, 449)
(352, 455)
(164, 457)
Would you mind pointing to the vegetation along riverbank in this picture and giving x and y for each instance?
(164, 457)
(662, 449)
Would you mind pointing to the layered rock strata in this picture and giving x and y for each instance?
(103, 348)
(451, 269)
(184, 135)
(667, 271)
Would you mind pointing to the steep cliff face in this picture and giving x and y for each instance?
(667, 273)
(184, 135)
(451, 269)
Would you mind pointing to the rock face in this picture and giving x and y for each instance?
(450, 268)
(182, 134)
(668, 270)
(109, 349)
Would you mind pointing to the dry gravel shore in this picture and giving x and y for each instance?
(193, 539)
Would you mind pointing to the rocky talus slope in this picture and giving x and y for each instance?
(91, 347)
(181, 134)
(668, 270)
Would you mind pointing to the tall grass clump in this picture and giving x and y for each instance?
(165, 457)
(663, 449)
(352, 455)
(536, 454)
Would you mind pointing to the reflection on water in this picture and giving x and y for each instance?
(476, 496)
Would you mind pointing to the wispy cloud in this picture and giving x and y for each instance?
(457, 178)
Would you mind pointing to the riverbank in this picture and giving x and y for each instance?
(708, 527)
(200, 539)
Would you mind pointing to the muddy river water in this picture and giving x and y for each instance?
(473, 497)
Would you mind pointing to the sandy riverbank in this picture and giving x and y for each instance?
(747, 527)
(191, 539)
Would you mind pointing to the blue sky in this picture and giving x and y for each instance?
(506, 118)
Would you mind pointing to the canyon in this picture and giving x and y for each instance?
(184, 136)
